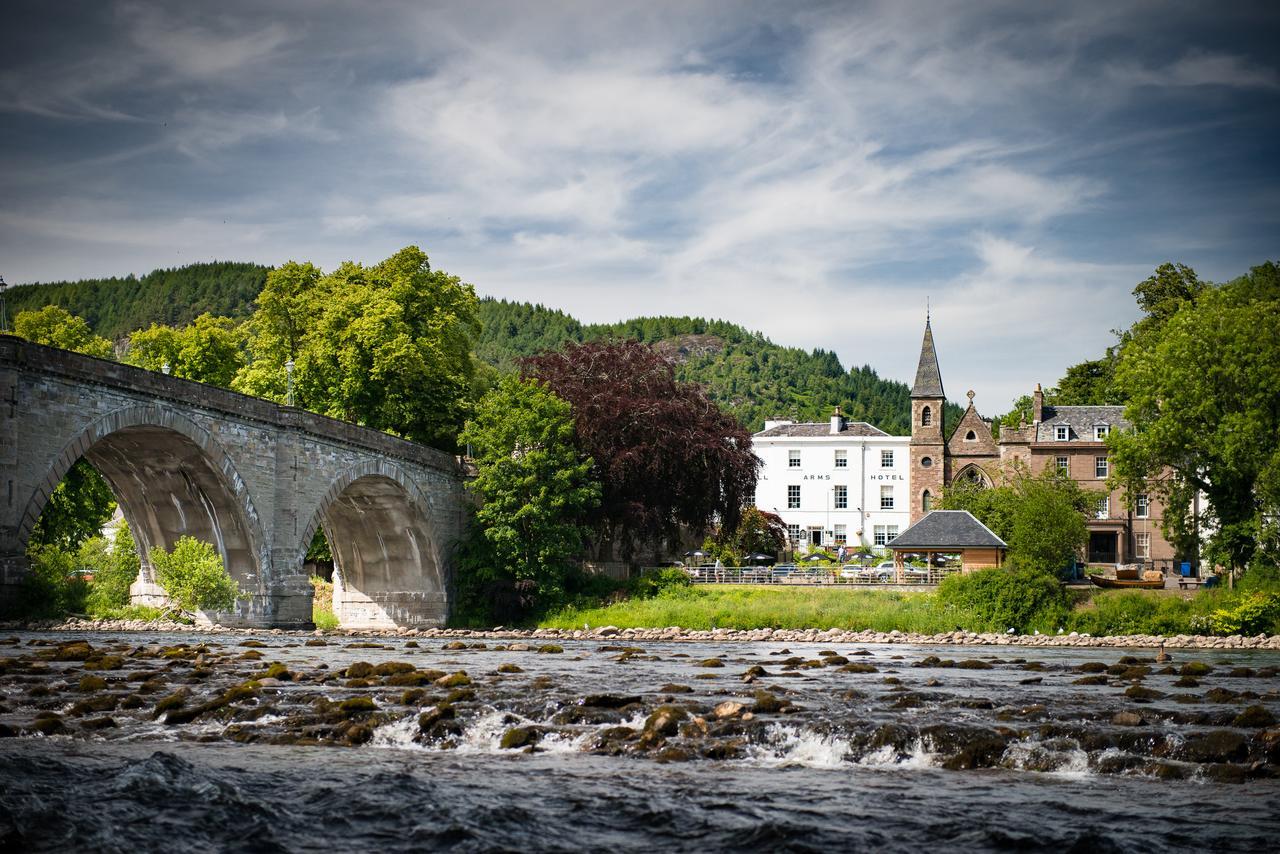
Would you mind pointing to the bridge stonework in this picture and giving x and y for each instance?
(253, 478)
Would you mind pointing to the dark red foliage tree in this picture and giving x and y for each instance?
(665, 455)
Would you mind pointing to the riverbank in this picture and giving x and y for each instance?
(678, 634)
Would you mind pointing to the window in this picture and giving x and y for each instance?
(793, 497)
(842, 498)
(886, 459)
(926, 462)
(971, 436)
(1100, 432)
(1063, 464)
(881, 534)
(842, 459)
(1104, 508)
(1141, 506)
(926, 501)
(1062, 432)
(793, 459)
(1100, 466)
(886, 498)
(841, 535)
(1142, 543)
(793, 533)
(926, 416)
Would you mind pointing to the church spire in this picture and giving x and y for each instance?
(928, 377)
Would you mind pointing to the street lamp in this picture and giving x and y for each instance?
(4, 315)
(164, 368)
(288, 375)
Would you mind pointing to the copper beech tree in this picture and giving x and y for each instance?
(665, 455)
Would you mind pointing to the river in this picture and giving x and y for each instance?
(386, 744)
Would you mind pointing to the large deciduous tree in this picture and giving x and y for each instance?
(209, 350)
(665, 455)
(387, 346)
(54, 326)
(1202, 396)
(536, 490)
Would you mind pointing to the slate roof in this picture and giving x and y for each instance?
(928, 377)
(947, 529)
(822, 428)
(1081, 420)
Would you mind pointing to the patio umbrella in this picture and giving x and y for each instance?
(864, 556)
(816, 557)
(760, 557)
(940, 560)
(696, 553)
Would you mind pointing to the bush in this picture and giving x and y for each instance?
(1133, 612)
(194, 576)
(322, 604)
(655, 582)
(1254, 613)
(1002, 599)
(115, 568)
(54, 585)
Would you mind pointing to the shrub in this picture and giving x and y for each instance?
(1255, 613)
(54, 586)
(1001, 599)
(1133, 612)
(115, 567)
(194, 576)
(655, 582)
(322, 604)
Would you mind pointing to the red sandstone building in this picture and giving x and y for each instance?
(1071, 439)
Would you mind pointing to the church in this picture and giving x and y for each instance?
(1071, 439)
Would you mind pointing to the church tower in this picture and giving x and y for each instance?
(928, 450)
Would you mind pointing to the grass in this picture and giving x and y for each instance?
(758, 607)
(322, 604)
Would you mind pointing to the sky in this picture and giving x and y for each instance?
(817, 172)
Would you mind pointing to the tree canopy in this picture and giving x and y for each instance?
(209, 350)
(1202, 396)
(54, 326)
(387, 346)
(536, 489)
(665, 455)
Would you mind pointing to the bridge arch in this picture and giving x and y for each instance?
(388, 566)
(171, 478)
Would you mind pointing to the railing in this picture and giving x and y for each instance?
(849, 575)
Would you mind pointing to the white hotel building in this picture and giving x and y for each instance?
(833, 484)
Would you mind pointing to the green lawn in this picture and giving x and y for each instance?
(759, 606)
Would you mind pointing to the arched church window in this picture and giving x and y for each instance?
(926, 416)
(926, 501)
(970, 436)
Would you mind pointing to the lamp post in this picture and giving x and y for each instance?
(288, 374)
(164, 368)
(4, 314)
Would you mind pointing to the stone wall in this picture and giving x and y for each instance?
(254, 478)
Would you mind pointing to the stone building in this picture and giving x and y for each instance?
(1071, 439)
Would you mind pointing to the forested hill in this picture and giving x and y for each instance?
(117, 306)
(743, 371)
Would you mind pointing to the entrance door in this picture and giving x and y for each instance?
(1102, 547)
(815, 536)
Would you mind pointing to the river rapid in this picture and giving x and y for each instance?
(147, 742)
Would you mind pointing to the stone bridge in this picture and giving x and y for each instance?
(253, 478)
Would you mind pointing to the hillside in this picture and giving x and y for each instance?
(743, 371)
(117, 306)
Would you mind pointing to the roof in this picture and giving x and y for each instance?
(928, 377)
(821, 428)
(947, 529)
(1081, 420)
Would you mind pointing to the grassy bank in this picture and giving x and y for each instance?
(753, 607)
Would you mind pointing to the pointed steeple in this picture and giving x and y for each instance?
(928, 377)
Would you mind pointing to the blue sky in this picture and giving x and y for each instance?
(813, 171)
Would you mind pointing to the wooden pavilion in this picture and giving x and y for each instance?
(944, 542)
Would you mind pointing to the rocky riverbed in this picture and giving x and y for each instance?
(90, 708)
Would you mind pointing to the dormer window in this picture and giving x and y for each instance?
(1100, 431)
(1062, 432)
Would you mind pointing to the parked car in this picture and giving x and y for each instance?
(850, 570)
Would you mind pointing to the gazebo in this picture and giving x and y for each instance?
(943, 542)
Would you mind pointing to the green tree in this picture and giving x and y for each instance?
(76, 510)
(757, 531)
(535, 489)
(194, 576)
(387, 346)
(54, 326)
(115, 567)
(1203, 404)
(209, 350)
(1041, 517)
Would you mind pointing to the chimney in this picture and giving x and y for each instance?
(1037, 405)
(837, 422)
